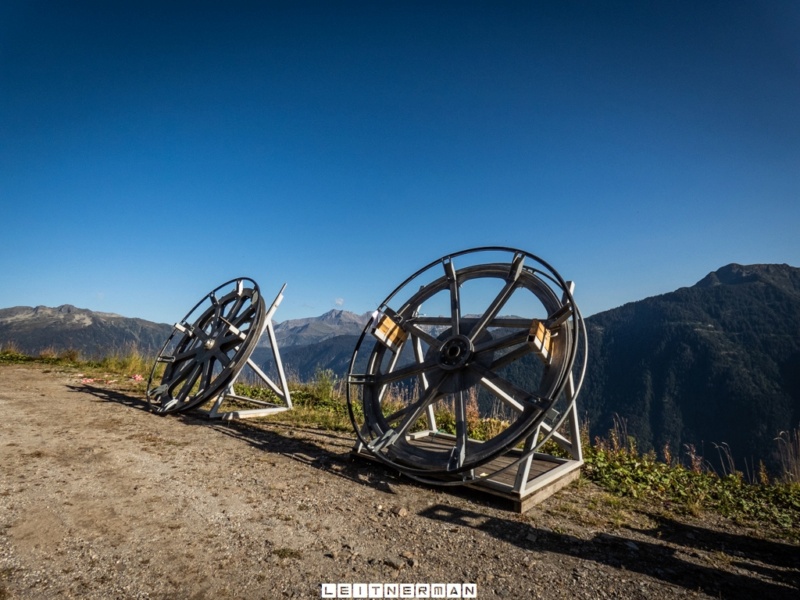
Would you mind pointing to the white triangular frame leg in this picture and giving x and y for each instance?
(281, 388)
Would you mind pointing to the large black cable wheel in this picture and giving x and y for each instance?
(464, 360)
(208, 348)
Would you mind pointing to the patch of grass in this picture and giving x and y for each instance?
(320, 403)
(50, 356)
(11, 354)
(623, 471)
(789, 452)
(130, 362)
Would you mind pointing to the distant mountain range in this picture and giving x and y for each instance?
(717, 362)
(94, 334)
(302, 332)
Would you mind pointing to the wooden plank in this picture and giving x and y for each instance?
(548, 474)
(537, 495)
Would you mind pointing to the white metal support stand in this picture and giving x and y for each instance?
(281, 389)
(539, 475)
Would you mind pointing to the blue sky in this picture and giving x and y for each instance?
(150, 151)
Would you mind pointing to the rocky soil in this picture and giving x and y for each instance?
(99, 498)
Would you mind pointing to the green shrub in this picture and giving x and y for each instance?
(624, 471)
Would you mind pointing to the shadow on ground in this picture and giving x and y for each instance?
(332, 456)
(107, 395)
(764, 569)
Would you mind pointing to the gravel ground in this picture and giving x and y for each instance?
(101, 499)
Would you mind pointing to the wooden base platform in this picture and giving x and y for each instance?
(525, 484)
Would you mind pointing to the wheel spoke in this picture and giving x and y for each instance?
(398, 414)
(440, 321)
(395, 416)
(513, 395)
(410, 416)
(500, 300)
(404, 372)
(199, 335)
(234, 309)
(207, 374)
(511, 357)
(222, 358)
(455, 304)
(180, 371)
(244, 320)
(189, 354)
(506, 341)
(414, 330)
(190, 381)
(459, 452)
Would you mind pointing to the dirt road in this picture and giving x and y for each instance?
(99, 498)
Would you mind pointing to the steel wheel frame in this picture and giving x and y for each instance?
(464, 355)
(205, 352)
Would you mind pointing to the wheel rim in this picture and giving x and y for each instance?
(512, 359)
(208, 347)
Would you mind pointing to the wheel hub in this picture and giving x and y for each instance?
(455, 353)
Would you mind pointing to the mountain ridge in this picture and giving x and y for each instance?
(312, 330)
(735, 274)
(66, 327)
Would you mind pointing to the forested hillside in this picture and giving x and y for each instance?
(718, 362)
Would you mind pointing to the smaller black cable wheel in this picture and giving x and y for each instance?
(208, 347)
